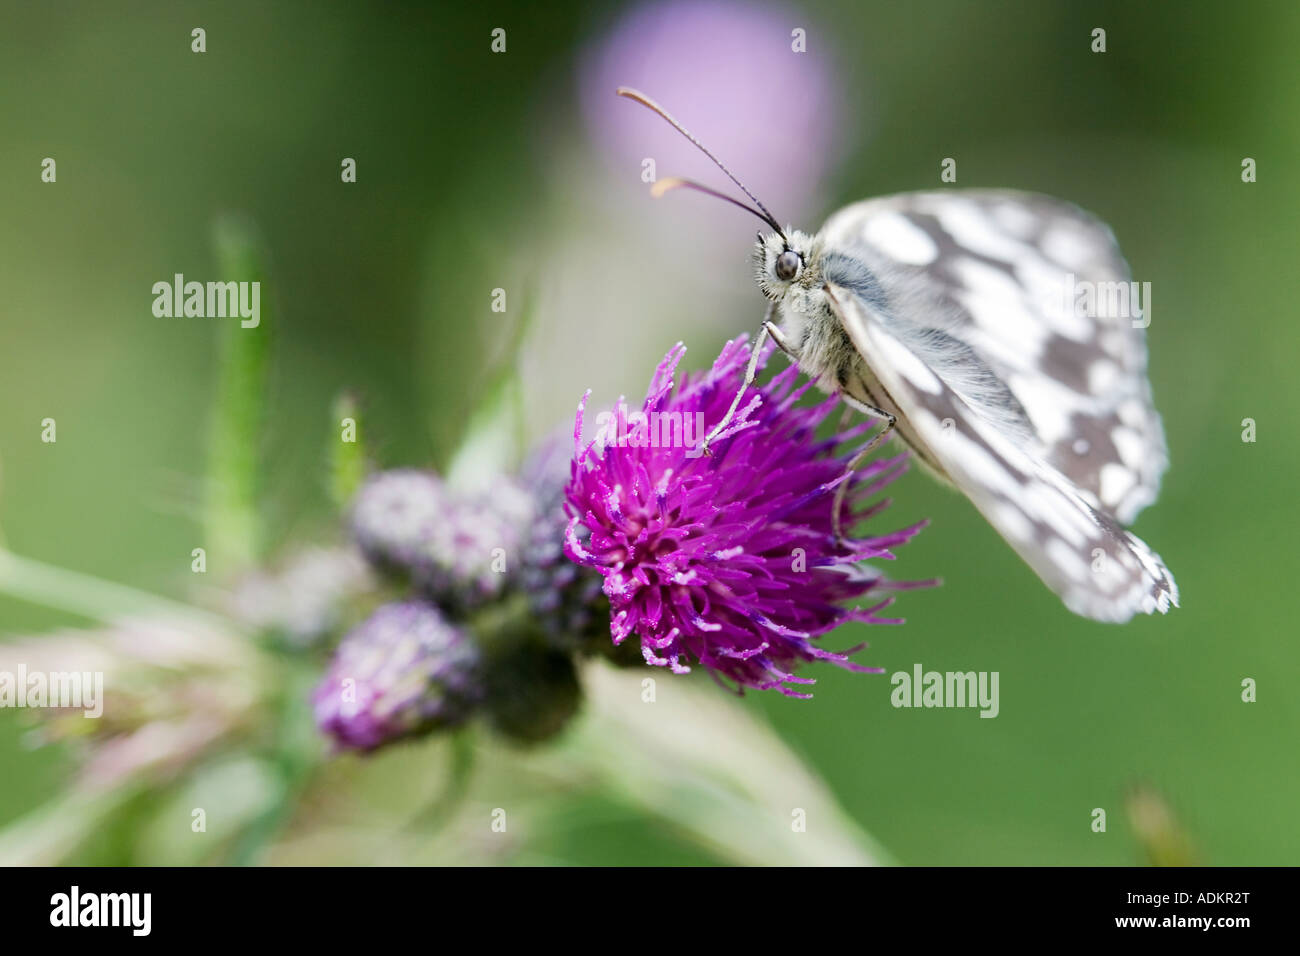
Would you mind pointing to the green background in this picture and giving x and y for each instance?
(380, 287)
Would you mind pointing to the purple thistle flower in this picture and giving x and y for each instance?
(403, 671)
(730, 560)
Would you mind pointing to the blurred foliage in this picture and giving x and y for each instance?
(239, 408)
(381, 289)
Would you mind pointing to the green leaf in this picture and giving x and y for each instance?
(347, 458)
(494, 436)
(234, 475)
(48, 835)
(708, 768)
(54, 587)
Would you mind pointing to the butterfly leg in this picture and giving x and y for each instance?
(846, 417)
(843, 489)
(772, 329)
(768, 329)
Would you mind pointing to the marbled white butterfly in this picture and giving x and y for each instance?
(950, 316)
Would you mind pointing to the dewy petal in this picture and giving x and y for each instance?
(730, 559)
(573, 545)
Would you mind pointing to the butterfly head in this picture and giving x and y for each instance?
(786, 262)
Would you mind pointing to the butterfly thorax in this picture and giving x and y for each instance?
(809, 326)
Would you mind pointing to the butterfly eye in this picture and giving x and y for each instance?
(787, 265)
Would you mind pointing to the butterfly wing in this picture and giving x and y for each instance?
(994, 270)
(1082, 553)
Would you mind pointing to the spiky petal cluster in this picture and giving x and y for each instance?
(730, 559)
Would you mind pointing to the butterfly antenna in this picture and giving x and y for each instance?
(650, 104)
(677, 182)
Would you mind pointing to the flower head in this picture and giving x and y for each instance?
(403, 671)
(458, 548)
(731, 559)
(305, 598)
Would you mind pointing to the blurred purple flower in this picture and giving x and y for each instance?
(394, 514)
(459, 549)
(731, 560)
(726, 70)
(403, 671)
(305, 599)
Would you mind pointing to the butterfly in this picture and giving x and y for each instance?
(949, 316)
